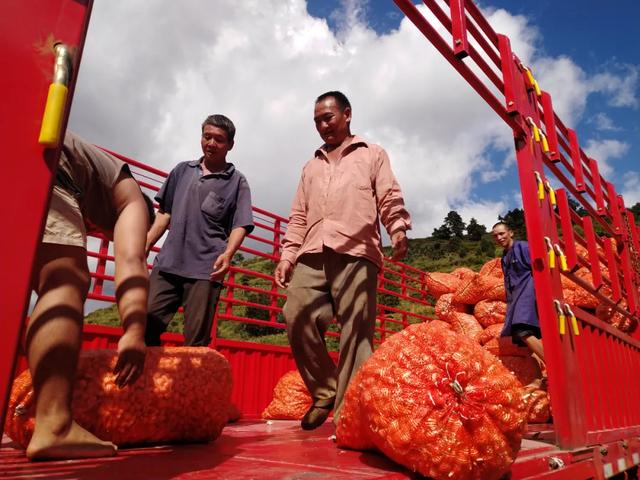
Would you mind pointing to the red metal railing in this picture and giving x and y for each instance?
(592, 366)
(251, 297)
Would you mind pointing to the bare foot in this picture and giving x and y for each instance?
(75, 442)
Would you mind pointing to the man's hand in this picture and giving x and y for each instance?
(283, 273)
(220, 267)
(400, 245)
(131, 353)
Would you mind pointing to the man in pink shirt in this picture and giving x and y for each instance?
(331, 253)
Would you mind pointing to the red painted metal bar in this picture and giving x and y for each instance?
(614, 211)
(459, 28)
(550, 127)
(577, 161)
(28, 56)
(613, 270)
(473, 53)
(432, 35)
(567, 229)
(596, 180)
(592, 248)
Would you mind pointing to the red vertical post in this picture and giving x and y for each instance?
(578, 173)
(592, 248)
(568, 404)
(596, 180)
(459, 28)
(101, 266)
(567, 229)
(276, 252)
(550, 127)
(612, 265)
(28, 29)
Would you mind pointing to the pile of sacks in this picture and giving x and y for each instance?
(473, 304)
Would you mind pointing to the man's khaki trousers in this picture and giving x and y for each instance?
(324, 286)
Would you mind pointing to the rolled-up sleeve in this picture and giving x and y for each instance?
(393, 214)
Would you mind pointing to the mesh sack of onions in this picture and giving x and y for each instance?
(437, 403)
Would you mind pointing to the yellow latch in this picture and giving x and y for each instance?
(574, 320)
(551, 252)
(552, 194)
(562, 320)
(56, 98)
(540, 185)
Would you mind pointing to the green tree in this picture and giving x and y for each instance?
(453, 220)
(441, 233)
(515, 219)
(475, 231)
(636, 212)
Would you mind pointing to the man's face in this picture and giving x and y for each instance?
(502, 236)
(331, 122)
(215, 144)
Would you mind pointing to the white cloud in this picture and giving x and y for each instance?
(485, 212)
(631, 188)
(603, 122)
(623, 88)
(144, 90)
(605, 150)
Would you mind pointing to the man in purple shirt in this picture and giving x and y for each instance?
(333, 239)
(521, 323)
(208, 203)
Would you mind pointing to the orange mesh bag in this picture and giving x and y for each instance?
(445, 307)
(353, 429)
(526, 369)
(490, 333)
(439, 283)
(480, 287)
(490, 312)
(437, 403)
(441, 324)
(492, 268)
(466, 325)
(504, 346)
(291, 399)
(463, 273)
(183, 395)
(539, 406)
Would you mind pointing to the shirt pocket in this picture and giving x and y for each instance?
(364, 200)
(214, 207)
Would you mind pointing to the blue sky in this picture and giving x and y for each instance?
(598, 36)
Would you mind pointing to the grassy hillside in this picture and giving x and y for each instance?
(427, 254)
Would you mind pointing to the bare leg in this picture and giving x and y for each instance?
(53, 345)
(535, 345)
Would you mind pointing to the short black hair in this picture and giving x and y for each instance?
(222, 122)
(341, 99)
(506, 225)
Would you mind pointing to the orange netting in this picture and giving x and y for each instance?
(182, 395)
(445, 307)
(490, 333)
(291, 399)
(490, 312)
(492, 268)
(439, 283)
(539, 405)
(466, 325)
(526, 369)
(437, 403)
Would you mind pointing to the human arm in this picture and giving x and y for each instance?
(158, 228)
(131, 277)
(393, 214)
(223, 262)
(293, 238)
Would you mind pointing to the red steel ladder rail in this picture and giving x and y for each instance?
(579, 226)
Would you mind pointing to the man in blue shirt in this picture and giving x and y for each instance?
(208, 203)
(521, 322)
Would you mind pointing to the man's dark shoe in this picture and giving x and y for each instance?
(315, 417)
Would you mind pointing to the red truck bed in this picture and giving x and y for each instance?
(249, 449)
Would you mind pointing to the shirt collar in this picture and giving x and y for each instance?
(226, 173)
(356, 142)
